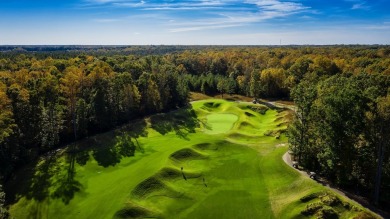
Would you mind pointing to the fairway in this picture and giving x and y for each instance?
(214, 159)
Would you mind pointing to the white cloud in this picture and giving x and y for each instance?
(105, 1)
(274, 5)
(356, 6)
(359, 4)
(217, 14)
(266, 10)
(177, 8)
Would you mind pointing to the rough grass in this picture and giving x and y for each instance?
(181, 170)
(195, 96)
(326, 205)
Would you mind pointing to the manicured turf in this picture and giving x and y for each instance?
(220, 123)
(218, 159)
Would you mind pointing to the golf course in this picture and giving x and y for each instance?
(213, 159)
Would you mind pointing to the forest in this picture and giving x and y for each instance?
(51, 97)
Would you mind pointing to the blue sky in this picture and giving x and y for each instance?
(195, 22)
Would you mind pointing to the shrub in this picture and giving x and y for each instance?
(310, 197)
(312, 208)
(330, 199)
(327, 212)
(364, 215)
(3, 210)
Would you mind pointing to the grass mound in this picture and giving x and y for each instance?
(169, 173)
(259, 109)
(274, 133)
(249, 114)
(327, 213)
(330, 200)
(280, 119)
(148, 186)
(311, 196)
(186, 154)
(312, 208)
(133, 211)
(206, 146)
(241, 136)
(212, 105)
(154, 186)
(326, 206)
(246, 125)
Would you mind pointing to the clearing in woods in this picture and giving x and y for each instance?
(214, 159)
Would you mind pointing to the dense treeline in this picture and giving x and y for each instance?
(52, 96)
(342, 130)
(48, 102)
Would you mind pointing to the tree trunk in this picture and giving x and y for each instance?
(73, 111)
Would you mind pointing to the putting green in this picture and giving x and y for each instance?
(215, 159)
(220, 122)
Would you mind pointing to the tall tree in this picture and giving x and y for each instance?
(298, 70)
(71, 85)
(340, 107)
(150, 96)
(304, 95)
(382, 137)
(7, 129)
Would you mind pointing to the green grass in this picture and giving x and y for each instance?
(218, 159)
(220, 123)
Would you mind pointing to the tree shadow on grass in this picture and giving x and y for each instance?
(135, 130)
(106, 155)
(52, 177)
(182, 122)
(39, 182)
(65, 183)
(110, 151)
(48, 172)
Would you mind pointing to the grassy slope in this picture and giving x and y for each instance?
(227, 166)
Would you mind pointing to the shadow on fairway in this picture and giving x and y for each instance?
(66, 185)
(108, 149)
(47, 173)
(182, 122)
(51, 171)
